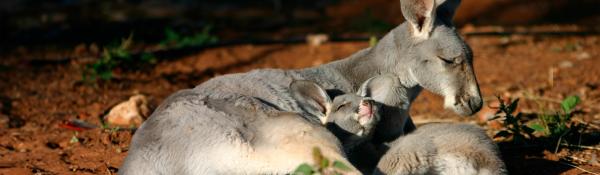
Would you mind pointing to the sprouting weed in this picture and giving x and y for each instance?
(324, 166)
(513, 126)
(74, 138)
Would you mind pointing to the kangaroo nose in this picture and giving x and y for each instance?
(475, 104)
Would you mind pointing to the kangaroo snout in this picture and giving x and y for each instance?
(468, 105)
(366, 107)
(475, 104)
(464, 105)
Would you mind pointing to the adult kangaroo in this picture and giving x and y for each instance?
(249, 123)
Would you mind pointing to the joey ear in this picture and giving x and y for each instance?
(379, 87)
(420, 15)
(312, 98)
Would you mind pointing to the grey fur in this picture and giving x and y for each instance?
(235, 124)
(443, 148)
(342, 115)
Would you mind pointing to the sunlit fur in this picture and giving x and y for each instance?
(210, 129)
(442, 149)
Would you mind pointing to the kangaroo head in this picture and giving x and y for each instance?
(437, 58)
(351, 117)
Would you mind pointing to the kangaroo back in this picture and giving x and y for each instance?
(463, 149)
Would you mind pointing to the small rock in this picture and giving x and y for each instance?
(129, 113)
(583, 56)
(565, 64)
(316, 39)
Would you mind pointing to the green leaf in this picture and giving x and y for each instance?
(504, 134)
(126, 42)
(513, 106)
(569, 103)
(122, 53)
(341, 166)
(324, 162)
(372, 41)
(537, 127)
(171, 35)
(527, 129)
(317, 155)
(148, 58)
(106, 75)
(501, 102)
(74, 138)
(510, 119)
(304, 169)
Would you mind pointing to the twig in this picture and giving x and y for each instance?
(557, 144)
(587, 123)
(575, 166)
(580, 146)
(578, 159)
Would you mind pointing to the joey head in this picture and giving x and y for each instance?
(352, 117)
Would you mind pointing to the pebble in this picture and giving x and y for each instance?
(583, 56)
(565, 64)
(316, 39)
(129, 113)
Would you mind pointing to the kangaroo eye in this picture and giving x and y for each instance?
(447, 60)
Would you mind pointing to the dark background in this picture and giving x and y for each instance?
(65, 23)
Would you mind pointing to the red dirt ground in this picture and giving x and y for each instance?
(45, 93)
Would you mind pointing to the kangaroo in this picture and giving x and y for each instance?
(234, 124)
(431, 149)
(442, 148)
(352, 118)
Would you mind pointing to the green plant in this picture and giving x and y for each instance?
(177, 40)
(74, 138)
(513, 126)
(324, 166)
(558, 124)
(373, 41)
(112, 58)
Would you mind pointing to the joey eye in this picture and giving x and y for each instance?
(342, 105)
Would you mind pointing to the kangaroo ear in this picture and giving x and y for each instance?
(420, 14)
(379, 88)
(312, 98)
(446, 9)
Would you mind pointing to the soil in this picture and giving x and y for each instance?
(41, 91)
